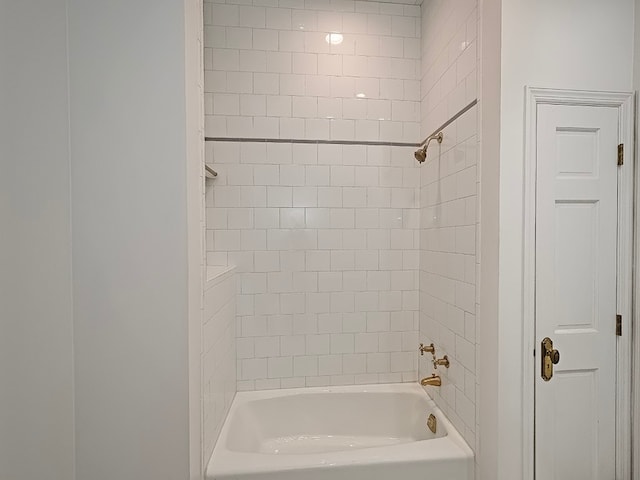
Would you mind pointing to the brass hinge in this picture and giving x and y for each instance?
(621, 154)
(619, 325)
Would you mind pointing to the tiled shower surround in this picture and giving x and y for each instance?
(349, 254)
(280, 69)
(449, 201)
(325, 236)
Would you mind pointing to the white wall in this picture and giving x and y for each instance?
(125, 76)
(36, 339)
(194, 130)
(569, 44)
(218, 353)
(449, 208)
(325, 237)
(128, 171)
(271, 72)
(449, 73)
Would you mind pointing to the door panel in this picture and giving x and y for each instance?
(576, 238)
(576, 243)
(579, 459)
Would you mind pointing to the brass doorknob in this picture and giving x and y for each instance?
(549, 357)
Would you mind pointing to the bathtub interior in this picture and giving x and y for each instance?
(312, 423)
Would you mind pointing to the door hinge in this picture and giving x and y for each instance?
(621, 154)
(619, 325)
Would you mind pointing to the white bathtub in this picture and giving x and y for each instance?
(371, 432)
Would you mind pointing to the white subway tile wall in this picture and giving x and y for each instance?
(218, 353)
(339, 70)
(449, 201)
(347, 255)
(327, 256)
(325, 237)
(449, 76)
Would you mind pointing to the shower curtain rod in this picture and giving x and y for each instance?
(345, 142)
(310, 141)
(449, 122)
(210, 172)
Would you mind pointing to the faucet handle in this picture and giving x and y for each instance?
(429, 348)
(444, 361)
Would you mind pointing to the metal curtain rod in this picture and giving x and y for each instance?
(210, 172)
(420, 154)
(311, 141)
(449, 122)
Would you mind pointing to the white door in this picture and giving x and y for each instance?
(576, 241)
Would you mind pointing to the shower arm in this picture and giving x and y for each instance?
(436, 136)
(421, 154)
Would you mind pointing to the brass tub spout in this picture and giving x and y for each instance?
(434, 380)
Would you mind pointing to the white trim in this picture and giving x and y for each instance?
(635, 385)
(195, 194)
(528, 284)
(625, 289)
(624, 103)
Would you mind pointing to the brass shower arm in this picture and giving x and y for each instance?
(421, 154)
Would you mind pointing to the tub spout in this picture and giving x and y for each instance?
(434, 380)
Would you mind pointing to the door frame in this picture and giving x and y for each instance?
(625, 299)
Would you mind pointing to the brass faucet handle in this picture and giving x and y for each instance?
(444, 361)
(429, 348)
